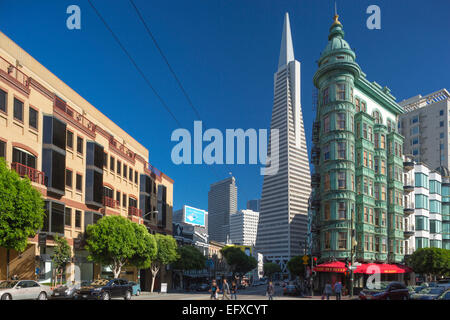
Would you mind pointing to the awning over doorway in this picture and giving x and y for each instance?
(366, 268)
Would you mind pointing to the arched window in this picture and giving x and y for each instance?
(377, 117)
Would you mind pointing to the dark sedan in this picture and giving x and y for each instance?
(65, 292)
(104, 289)
(386, 291)
(428, 293)
(291, 290)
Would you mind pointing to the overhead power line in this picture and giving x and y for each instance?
(147, 81)
(165, 60)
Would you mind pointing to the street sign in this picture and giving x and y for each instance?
(352, 267)
(163, 287)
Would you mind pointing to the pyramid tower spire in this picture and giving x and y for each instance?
(287, 49)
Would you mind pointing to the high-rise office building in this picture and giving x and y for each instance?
(254, 205)
(284, 202)
(244, 227)
(222, 202)
(357, 154)
(426, 128)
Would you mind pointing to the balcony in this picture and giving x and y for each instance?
(408, 165)
(316, 131)
(132, 211)
(122, 150)
(76, 118)
(315, 155)
(110, 202)
(409, 232)
(408, 186)
(13, 75)
(34, 175)
(315, 180)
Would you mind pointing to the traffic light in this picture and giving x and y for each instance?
(346, 264)
(315, 260)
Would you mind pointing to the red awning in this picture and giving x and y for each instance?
(371, 268)
(336, 266)
(367, 268)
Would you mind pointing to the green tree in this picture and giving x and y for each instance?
(270, 269)
(61, 256)
(116, 241)
(21, 211)
(166, 254)
(430, 261)
(238, 261)
(190, 258)
(296, 266)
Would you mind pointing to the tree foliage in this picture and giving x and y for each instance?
(21, 209)
(116, 241)
(190, 258)
(238, 261)
(296, 266)
(166, 254)
(433, 261)
(270, 269)
(61, 255)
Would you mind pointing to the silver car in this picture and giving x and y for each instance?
(23, 290)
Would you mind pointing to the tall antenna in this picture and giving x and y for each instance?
(335, 8)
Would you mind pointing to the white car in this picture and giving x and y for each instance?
(23, 290)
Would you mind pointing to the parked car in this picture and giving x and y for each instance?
(387, 291)
(193, 287)
(23, 290)
(65, 292)
(136, 288)
(291, 290)
(444, 295)
(203, 287)
(430, 293)
(104, 289)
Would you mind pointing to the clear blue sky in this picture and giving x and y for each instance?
(225, 53)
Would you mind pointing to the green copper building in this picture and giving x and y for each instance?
(357, 155)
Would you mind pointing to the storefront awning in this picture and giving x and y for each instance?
(366, 268)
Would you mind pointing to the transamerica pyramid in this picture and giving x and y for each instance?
(284, 204)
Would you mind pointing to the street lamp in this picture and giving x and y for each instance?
(156, 212)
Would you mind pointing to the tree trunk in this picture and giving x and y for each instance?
(7, 264)
(155, 269)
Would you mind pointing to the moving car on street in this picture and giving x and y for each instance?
(23, 290)
(291, 290)
(65, 292)
(386, 291)
(203, 287)
(444, 295)
(430, 293)
(136, 288)
(104, 289)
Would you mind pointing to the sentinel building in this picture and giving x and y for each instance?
(284, 203)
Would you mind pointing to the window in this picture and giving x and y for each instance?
(105, 160)
(370, 161)
(377, 166)
(325, 96)
(79, 182)
(130, 174)
(119, 167)
(341, 180)
(24, 157)
(383, 141)
(383, 193)
(376, 140)
(118, 197)
(358, 130)
(414, 130)
(124, 200)
(327, 240)
(132, 202)
(363, 106)
(111, 163)
(340, 91)
(68, 217)
(366, 242)
(33, 118)
(377, 192)
(2, 149)
(441, 112)
(342, 210)
(370, 134)
(68, 178)
(326, 182)
(441, 135)
(125, 170)
(326, 152)
(3, 101)
(377, 218)
(341, 150)
(327, 213)
(80, 145)
(342, 240)
(135, 177)
(77, 219)
(357, 105)
(377, 117)
(18, 110)
(69, 139)
(340, 123)
(365, 159)
(441, 124)
(366, 214)
(326, 124)
(383, 166)
(365, 135)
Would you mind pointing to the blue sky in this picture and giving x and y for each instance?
(225, 53)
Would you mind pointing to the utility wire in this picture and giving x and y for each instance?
(165, 60)
(135, 64)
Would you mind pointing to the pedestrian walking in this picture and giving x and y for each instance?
(233, 290)
(338, 290)
(225, 290)
(270, 290)
(327, 291)
(214, 290)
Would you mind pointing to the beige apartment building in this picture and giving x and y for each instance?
(84, 165)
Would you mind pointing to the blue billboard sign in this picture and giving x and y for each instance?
(194, 216)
